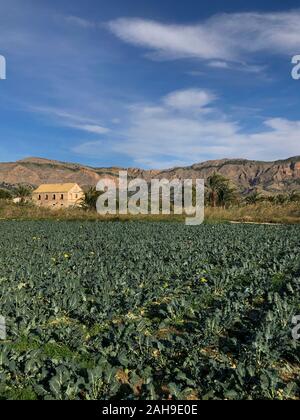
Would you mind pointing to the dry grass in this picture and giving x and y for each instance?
(258, 213)
(11, 211)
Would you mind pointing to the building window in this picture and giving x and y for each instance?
(40, 197)
(61, 196)
(54, 197)
(46, 197)
(76, 195)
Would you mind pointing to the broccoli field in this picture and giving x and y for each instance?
(149, 311)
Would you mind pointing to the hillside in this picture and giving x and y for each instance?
(272, 177)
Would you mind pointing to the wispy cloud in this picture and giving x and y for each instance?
(71, 120)
(94, 129)
(221, 38)
(78, 21)
(240, 66)
(163, 135)
(218, 64)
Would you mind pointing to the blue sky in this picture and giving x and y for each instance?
(149, 83)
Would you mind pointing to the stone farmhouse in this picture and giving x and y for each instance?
(58, 195)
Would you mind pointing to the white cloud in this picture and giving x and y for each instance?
(160, 135)
(90, 148)
(225, 37)
(236, 66)
(169, 41)
(219, 64)
(188, 99)
(95, 129)
(72, 120)
(78, 21)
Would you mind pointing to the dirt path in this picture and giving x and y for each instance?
(254, 223)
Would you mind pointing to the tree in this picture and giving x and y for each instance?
(253, 198)
(90, 198)
(23, 192)
(5, 194)
(214, 184)
(219, 191)
(226, 195)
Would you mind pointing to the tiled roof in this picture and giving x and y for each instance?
(55, 188)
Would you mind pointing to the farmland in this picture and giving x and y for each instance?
(148, 311)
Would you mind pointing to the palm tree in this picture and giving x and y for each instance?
(219, 190)
(90, 198)
(226, 195)
(213, 184)
(253, 198)
(23, 192)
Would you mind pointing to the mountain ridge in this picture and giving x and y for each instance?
(266, 176)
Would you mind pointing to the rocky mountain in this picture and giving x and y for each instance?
(247, 175)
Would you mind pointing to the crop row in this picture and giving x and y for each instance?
(146, 311)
